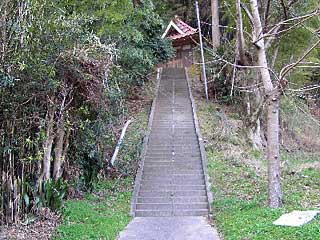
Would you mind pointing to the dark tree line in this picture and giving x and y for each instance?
(66, 69)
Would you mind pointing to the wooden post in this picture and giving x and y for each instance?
(202, 54)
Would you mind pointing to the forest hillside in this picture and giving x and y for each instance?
(73, 74)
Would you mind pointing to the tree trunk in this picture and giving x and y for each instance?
(66, 145)
(3, 30)
(272, 96)
(58, 150)
(48, 146)
(215, 24)
(242, 60)
(274, 186)
(253, 127)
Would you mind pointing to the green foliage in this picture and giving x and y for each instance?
(142, 47)
(53, 194)
(75, 61)
(6, 80)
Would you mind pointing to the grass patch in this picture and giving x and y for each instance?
(100, 215)
(239, 184)
(240, 202)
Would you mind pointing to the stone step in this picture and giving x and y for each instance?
(159, 159)
(171, 145)
(176, 168)
(160, 171)
(170, 123)
(172, 187)
(183, 131)
(164, 116)
(186, 154)
(187, 159)
(155, 122)
(169, 126)
(173, 170)
(189, 155)
(183, 159)
(164, 175)
(170, 148)
(175, 134)
(177, 157)
(184, 142)
(155, 165)
(168, 144)
(156, 213)
(170, 206)
(192, 137)
(176, 147)
(176, 193)
(174, 182)
(160, 151)
(189, 199)
(165, 153)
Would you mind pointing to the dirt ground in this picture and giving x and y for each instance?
(40, 228)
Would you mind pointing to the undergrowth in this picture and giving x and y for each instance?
(103, 213)
(239, 181)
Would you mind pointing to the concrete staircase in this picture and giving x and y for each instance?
(172, 181)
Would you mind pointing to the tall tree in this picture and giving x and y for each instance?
(215, 23)
(242, 59)
(272, 96)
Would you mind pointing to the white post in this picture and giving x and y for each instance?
(123, 132)
(202, 54)
(158, 73)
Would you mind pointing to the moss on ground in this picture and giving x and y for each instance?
(239, 183)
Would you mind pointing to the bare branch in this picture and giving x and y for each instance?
(305, 89)
(224, 26)
(248, 13)
(275, 30)
(218, 58)
(266, 14)
(284, 9)
(289, 67)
